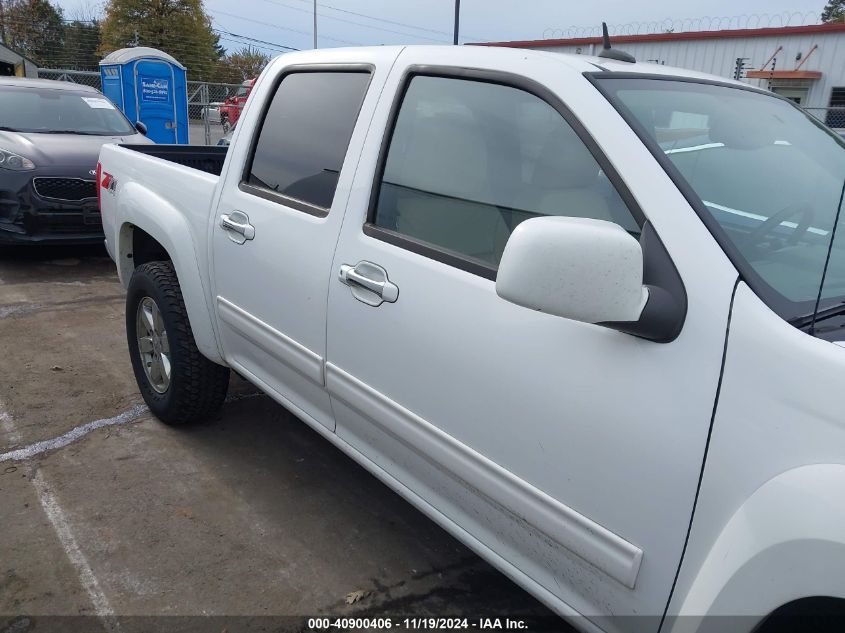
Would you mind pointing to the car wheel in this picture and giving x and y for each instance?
(224, 121)
(177, 382)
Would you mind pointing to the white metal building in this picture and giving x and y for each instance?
(803, 63)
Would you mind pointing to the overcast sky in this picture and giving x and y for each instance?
(347, 22)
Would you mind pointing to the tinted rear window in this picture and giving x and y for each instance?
(305, 135)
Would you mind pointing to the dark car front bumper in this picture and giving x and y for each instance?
(40, 208)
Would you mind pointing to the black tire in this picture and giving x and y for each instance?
(197, 386)
(224, 121)
(818, 614)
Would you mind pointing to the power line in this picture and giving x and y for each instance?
(141, 30)
(366, 26)
(284, 28)
(395, 23)
(263, 48)
(252, 39)
(258, 47)
(77, 48)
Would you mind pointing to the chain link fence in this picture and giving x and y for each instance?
(207, 107)
(210, 118)
(86, 77)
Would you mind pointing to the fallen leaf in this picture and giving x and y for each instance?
(186, 513)
(354, 596)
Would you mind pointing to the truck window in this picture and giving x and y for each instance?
(304, 136)
(470, 160)
(767, 179)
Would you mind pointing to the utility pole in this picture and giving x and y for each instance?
(457, 20)
(315, 23)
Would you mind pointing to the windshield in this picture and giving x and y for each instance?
(49, 110)
(766, 177)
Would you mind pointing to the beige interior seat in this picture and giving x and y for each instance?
(565, 179)
(440, 200)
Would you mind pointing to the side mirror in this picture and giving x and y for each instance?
(576, 268)
(141, 127)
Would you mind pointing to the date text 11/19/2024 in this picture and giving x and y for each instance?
(415, 624)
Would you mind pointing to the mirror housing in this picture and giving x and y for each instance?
(577, 268)
(141, 127)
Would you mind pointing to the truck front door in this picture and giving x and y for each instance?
(570, 453)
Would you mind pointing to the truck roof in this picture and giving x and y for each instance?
(466, 54)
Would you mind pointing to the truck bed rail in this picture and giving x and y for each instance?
(207, 158)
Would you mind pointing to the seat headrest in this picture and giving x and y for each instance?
(564, 162)
(445, 153)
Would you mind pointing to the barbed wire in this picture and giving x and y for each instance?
(84, 41)
(679, 25)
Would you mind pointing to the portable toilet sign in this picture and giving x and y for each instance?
(150, 86)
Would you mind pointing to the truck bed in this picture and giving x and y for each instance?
(175, 183)
(207, 158)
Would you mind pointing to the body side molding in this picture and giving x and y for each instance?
(590, 541)
(281, 347)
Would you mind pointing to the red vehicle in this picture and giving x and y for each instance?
(230, 109)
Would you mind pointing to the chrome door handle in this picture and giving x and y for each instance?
(237, 223)
(369, 283)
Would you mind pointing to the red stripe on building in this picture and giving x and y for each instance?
(676, 37)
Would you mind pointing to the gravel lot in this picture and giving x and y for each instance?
(251, 514)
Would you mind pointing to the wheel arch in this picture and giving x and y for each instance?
(160, 232)
(785, 545)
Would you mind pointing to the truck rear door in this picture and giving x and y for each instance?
(278, 218)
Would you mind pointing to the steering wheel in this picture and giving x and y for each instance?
(802, 209)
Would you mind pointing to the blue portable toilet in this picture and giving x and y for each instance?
(150, 86)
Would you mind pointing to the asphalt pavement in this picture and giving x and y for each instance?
(107, 513)
(196, 133)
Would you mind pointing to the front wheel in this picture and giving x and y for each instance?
(177, 382)
(224, 121)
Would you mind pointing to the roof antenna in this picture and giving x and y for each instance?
(612, 53)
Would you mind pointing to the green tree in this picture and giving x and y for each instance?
(834, 11)
(181, 28)
(244, 64)
(81, 43)
(34, 28)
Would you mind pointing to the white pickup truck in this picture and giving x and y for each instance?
(585, 314)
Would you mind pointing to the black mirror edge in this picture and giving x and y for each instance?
(141, 127)
(665, 311)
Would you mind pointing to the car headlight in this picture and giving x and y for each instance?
(10, 160)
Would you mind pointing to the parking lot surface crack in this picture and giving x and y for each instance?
(22, 309)
(74, 434)
(130, 415)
